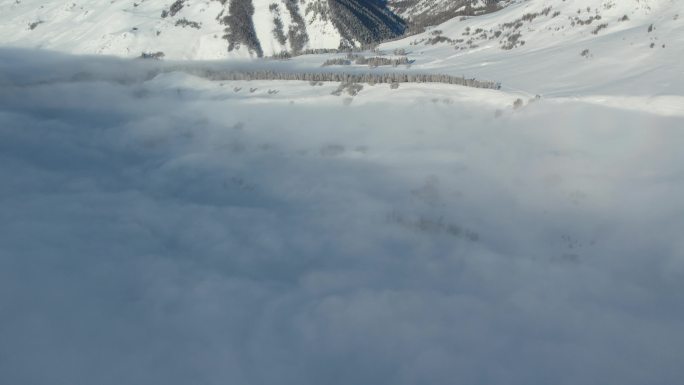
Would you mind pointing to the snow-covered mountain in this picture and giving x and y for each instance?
(195, 29)
(516, 42)
(561, 47)
(425, 13)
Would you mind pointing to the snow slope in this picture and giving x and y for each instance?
(560, 50)
(194, 31)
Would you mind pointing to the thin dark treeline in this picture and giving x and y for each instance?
(343, 77)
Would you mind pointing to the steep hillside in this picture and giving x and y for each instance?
(424, 13)
(562, 47)
(195, 29)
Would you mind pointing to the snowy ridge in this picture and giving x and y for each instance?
(424, 13)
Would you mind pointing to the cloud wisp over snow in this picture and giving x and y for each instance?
(172, 230)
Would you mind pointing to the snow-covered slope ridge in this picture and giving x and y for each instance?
(562, 47)
(424, 13)
(194, 29)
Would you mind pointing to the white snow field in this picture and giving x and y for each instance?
(550, 39)
(159, 227)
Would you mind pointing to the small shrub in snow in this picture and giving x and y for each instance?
(599, 28)
(188, 23)
(173, 9)
(518, 103)
(33, 25)
(352, 89)
(152, 55)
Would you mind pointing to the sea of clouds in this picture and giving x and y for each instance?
(156, 228)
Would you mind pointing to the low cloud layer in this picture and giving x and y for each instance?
(171, 230)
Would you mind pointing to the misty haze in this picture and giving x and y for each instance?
(341, 192)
